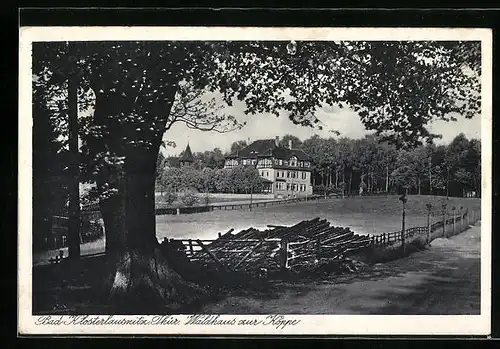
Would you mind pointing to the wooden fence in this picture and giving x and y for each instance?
(91, 229)
(281, 248)
(232, 206)
(93, 209)
(458, 222)
(305, 243)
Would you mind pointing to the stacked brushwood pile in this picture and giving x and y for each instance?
(300, 247)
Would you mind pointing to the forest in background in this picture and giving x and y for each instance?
(344, 164)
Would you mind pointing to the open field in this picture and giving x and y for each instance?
(443, 279)
(364, 215)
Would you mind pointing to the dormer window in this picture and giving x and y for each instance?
(293, 161)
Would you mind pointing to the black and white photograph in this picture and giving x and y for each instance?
(254, 180)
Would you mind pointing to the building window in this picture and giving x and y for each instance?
(293, 161)
(304, 175)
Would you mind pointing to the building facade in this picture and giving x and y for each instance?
(286, 171)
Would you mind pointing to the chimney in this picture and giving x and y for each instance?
(289, 144)
(277, 141)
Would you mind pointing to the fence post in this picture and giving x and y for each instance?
(444, 220)
(403, 199)
(461, 218)
(284, 254)
(428, 238)
(453, 209)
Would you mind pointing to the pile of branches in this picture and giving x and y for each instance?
(302, 247)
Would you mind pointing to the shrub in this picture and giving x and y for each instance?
(189, 197)
(207, 199)
(169, 196)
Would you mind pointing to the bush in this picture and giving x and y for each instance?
(321, 189)
(169, 196)
(189, 197)
(207, 199)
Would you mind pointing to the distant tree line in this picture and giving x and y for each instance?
(376, 166)
(367, 166)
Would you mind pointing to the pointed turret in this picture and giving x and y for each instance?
(187, 158)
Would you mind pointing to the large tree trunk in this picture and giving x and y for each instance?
(140, 276)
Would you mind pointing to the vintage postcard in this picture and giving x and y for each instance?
(245, 181)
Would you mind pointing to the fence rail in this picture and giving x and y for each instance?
(232, 206)
(305, 243)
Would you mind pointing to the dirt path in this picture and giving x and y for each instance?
(445, 279)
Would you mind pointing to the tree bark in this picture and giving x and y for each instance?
(343, 181)
(140, 275)
(387, 179)
(74, 166)
(350, 182)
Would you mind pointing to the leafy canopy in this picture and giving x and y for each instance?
(140, 89)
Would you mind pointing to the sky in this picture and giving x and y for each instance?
(262, 126)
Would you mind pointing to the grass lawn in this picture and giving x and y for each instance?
(365, 215)
(81, 291)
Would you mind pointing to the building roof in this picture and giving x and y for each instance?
(268, 148)
(187, 156)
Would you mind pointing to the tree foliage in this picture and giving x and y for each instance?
(240, 179)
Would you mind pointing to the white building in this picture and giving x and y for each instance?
(287, 171)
